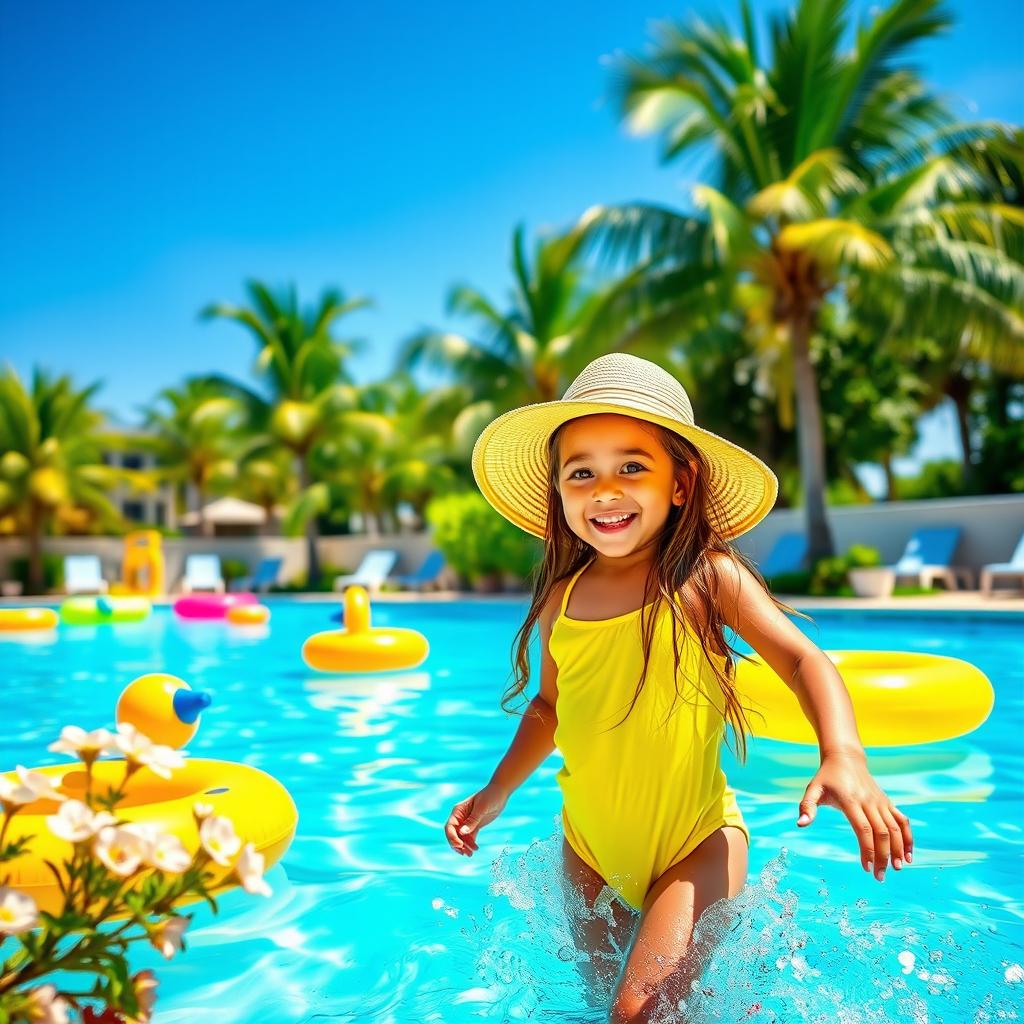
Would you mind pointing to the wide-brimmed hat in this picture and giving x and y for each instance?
(510, 458)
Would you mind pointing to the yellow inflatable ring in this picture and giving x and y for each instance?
(93, 611)
(360, 648)
(899, 698)
(260, 808)
(248, 614)
(13, 620)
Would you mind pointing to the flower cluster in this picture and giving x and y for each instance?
(121, 884)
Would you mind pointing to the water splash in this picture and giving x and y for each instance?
(771, 956)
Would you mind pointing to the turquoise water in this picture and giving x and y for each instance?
(375, 919)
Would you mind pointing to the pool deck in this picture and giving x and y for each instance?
(955, 601)
(1001, 601)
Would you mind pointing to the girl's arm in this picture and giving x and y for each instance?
(534, 740)
(843, 780)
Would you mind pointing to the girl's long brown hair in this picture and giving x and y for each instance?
(692, 531)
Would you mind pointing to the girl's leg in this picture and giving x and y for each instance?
(663, 961)
(601, 929)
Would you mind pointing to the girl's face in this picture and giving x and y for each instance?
(610, 466)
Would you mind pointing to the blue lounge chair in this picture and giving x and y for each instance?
(83, 574)
(929, 555)
(202, 572)
(372, 572)
(1013, 569)
(262, 579)
(428, 572)
(788, 555)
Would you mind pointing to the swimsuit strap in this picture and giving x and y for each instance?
(572, 582)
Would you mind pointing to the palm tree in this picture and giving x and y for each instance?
(396, 444)
(559, 319)
(303, 368)
(837, 175)
(195, 435)
(52, 467)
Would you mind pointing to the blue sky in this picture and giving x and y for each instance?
(157, 155)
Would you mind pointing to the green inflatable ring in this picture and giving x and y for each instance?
(94, 611)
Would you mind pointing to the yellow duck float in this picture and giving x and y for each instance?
(359, 647)
(165, 709)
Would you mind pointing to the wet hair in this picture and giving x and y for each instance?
(691, 533)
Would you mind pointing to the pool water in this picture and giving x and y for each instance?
(374, 918)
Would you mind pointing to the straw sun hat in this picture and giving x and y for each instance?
(510, 461)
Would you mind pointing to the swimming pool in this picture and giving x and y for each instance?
(374, 918)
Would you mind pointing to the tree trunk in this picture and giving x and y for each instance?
(890, 477)
(204, 526)
(36, 583)
(810, 438)
(958, 388)
(312, 532)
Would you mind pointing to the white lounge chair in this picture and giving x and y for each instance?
(1012, 570)
(372, 572)
(202, 572)
(83, 574)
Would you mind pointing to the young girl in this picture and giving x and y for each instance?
(636, 506)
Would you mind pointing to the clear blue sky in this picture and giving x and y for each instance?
(154, 156)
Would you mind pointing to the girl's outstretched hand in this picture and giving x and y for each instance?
(470, 815)
(843, 781)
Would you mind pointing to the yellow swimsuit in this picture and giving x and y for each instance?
(640, 797)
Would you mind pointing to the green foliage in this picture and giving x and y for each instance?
(829, 575)
(940, 478)
(233, 568)
(53, 571)
(476, 541)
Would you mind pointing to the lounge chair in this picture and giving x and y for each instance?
(262, 579)
(428, 572)
(83, 574)
(787, 556)
(928, 557)
(202, 572)
(1013, 569)
(372, 571)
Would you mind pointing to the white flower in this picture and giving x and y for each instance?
(163, 760)
(202, 810)
(46, 1007)
(120, 849)
(144, 984)
(88, 745)
(39, 783)
(140, 749)
(14, 794)
(219, 839)
(166, 936)
(17, 912)
(74, 822)
(169, 854)
(250, 871)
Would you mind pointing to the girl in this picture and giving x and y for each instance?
(636, 506)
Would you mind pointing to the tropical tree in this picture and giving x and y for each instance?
(560, 317)
(397, 444)
(836, 176)
(301, 366)
(195, 434)
(51, 472)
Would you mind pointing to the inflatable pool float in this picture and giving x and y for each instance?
(17, 620)
(257, 804)
(359, 647)
(211, 606)
(899, 698)
(162, 707)
(94, 611)
(248, 614)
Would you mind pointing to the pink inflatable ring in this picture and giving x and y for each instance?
(211, 606)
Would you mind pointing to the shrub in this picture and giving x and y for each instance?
(476, 541)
